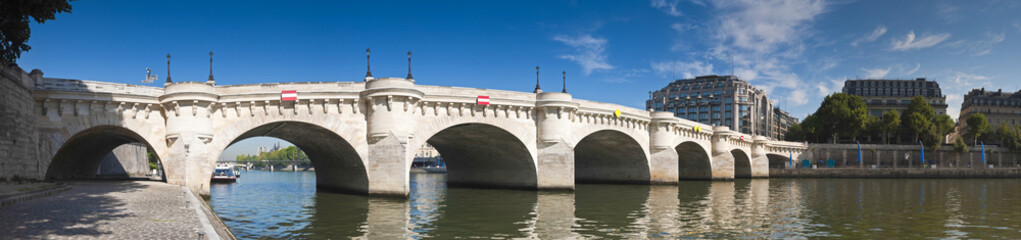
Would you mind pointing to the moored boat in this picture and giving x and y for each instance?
(224, 174)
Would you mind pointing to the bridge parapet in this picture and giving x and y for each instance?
(73, 85)
(785, 146)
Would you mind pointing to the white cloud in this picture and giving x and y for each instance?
(981, 47)
(668, 6)
(967, 81)
(685, 69)
(762, 25)
(954, 105)
(617, 80)
(910, 42)
(872, 37)
(875, 73)
(912, 71)
(797, 97)
(827, 87)
(590, 52)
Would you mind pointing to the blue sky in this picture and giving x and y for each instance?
(613, 51)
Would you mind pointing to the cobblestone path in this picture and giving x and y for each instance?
(104, 210)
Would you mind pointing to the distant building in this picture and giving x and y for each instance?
(882, 95)
(721, 101)
(1000, 108)
(781, 122)
(426, 156)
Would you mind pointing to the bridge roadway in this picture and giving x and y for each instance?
(361, 136)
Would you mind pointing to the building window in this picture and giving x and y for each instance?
(718, 92)
(716, 108)
(703, 109)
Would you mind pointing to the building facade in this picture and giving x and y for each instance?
(999, 108)
(781, 122)
(883, 95)
(721, 101)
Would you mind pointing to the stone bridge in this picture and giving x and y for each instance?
(361, 136)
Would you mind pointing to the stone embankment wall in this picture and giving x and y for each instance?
(19, 136)
(128, 160)
(895, 173)
(892, 156)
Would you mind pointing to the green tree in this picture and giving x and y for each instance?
(977, 126)
(1009, 137)
(917, 125)
(891, 124)
(944, 125)
(960, 148)
(14, 24)
(153, 160)
(841, 114)
(873, 128)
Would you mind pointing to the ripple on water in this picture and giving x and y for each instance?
(286, 205)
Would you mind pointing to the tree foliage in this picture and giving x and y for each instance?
(283, 156)
(14, 23)
(917, 125)
(891, 124)
(977, 126)
(959, 146)
(1009, 137)
(841, 114)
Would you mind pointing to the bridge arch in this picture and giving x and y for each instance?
(338, 164)
(742, 163)
(777, 160)
(610, 156)
(693, 161)
(80, 155)
(481, 154)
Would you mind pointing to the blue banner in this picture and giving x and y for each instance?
(859, 151)
(922, 153)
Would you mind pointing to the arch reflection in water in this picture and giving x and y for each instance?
(285, 205)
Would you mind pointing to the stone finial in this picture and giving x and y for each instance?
(537, 89)
(409, 66)
(168, 69)
(368, 65)
(210, 80)
(565, 82)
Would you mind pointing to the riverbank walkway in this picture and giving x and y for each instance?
(110, 210)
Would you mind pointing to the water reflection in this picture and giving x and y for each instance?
(285, 205)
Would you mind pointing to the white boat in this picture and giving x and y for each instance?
(224, 173)
(436, 169)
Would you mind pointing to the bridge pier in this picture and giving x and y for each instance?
(760, 162)
(664, 160)
(723, 159)
(555, 166)
(389, 167)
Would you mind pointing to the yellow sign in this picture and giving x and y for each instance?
(616, 113)
(697, 129)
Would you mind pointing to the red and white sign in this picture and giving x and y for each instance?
(289, 95)
(482, 100)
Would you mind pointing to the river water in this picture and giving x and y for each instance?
(287, 205)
